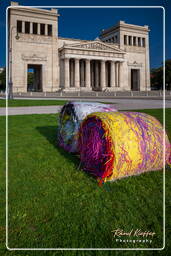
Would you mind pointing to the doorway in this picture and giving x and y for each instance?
(135, 79)
(34, 78)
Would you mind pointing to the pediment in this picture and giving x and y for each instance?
(94, 45)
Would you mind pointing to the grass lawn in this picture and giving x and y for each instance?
(25, 103)
(53, 204)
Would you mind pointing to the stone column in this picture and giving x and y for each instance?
(127, 43)
(71, 73)
(106, 74)
(121, 77)
(112, 74)
(116, 74)
(88, 76)
(82, 73)
(141, 41)
(103, 75)
(67, 77)
(38, 28)
(46, 29)
(132, 40)
(77, 73)
(92, 73)
(96, 75)
(23, 27)
(125, 40)
(31, 27)
(119, 74)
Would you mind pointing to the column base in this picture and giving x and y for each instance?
(73, 89)
(114, 89)
(49, 89)
(19, 89)
(86, 89)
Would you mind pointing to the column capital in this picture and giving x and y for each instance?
(103, 61)
(87, 60)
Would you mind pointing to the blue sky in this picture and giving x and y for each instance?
(87, 23)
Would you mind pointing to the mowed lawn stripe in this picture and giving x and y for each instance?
(28, 103)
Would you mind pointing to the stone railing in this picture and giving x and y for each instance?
(93, 94)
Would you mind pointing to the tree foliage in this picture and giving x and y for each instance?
(3, 80)
(157, 77)
(30, 78)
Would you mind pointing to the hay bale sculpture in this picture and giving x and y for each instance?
(70, 118)
(114, 145)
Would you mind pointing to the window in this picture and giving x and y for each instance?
(34, 28)
(116, 39)
(27, 27)
(139, 41)
(130, 39)
(143, 42)
(19, 26)
(134, 41)
(42, 29)
(125, 39)
(49, 30)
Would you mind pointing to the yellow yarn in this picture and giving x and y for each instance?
(126, 131)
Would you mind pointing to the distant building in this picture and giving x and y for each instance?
(117, 60)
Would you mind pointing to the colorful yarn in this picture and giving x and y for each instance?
(114, 145)
(70, 119)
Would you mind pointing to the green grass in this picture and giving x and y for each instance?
(53, 203)
(25, 103)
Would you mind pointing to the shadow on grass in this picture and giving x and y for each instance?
(50, 133)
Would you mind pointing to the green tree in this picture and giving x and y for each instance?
(30, 78)
(3, 80)
(157, 76)
(168, 74)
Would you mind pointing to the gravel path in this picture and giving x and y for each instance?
(120, 104)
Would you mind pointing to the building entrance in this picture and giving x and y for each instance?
(34, 78)
(135, 79)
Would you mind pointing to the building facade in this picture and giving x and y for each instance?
(118, 60)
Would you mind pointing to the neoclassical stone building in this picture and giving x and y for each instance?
(117, 60)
